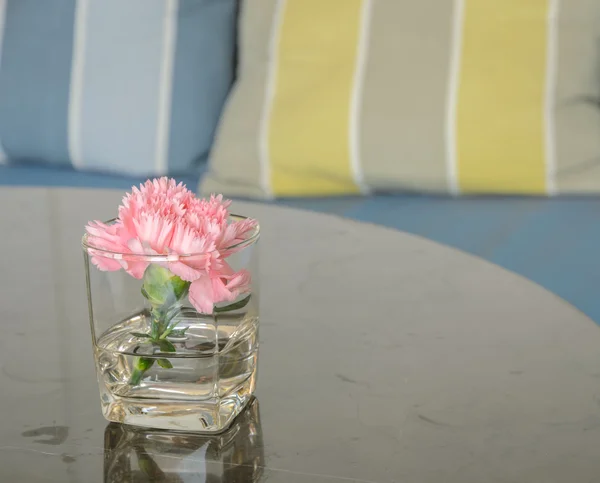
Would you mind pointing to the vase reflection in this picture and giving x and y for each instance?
(133, 454)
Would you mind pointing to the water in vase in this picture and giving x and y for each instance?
(198, 379)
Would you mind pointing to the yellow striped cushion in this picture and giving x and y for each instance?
(342, 97)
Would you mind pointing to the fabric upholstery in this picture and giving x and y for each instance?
(44, 175)
(124, 86)
(342, 97)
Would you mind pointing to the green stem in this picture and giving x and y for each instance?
(163, 290)
(142, 364)
(166, 333)
(159, 331)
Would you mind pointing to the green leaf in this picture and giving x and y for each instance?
(165, 363)
(180, 287)
(234, 306)
(164, 345)
(178, 333)
(154, 330)
(173, 312)
(139, 334)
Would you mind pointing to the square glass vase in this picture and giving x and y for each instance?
(140, 454)
(160, 361)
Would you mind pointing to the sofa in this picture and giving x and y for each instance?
(547, 234)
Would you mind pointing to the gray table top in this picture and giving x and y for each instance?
(384, 357)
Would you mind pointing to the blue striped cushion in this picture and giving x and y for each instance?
(127, 86)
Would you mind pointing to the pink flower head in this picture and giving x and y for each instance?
(165, 218)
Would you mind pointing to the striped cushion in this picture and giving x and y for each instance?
(459, 96)
(126, 86)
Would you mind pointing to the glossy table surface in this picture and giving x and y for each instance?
(384, 358)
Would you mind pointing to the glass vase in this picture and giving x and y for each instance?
(160, 361)
(137, 454)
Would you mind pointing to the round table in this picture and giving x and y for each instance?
(384, 357)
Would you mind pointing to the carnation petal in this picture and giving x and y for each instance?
(240, 283)
(106, 264)
(201, 295)
(185, 272)
(136, 269)
(221, 291)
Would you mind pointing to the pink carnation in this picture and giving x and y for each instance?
(165, 218)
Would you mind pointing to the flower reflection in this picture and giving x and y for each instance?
(134, 454)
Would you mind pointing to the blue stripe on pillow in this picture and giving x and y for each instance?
(121, 92)
(3, 158)
(34, 79)
(134, 87)
(197, 99)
